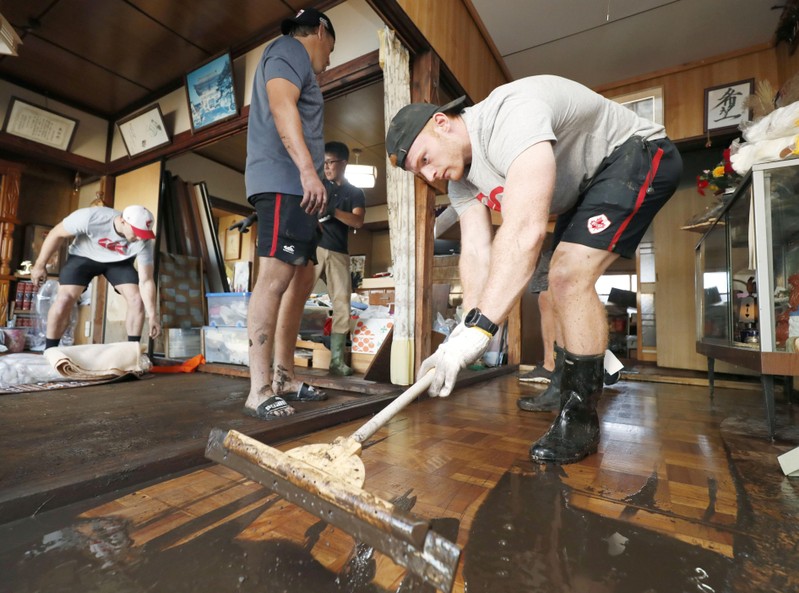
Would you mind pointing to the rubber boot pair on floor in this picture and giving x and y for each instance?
(338, 344)
(575, 389)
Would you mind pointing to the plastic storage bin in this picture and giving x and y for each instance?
(227, 309)
(226, 344)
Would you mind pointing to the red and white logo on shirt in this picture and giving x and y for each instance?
(492, 200)
(120, 248)
(597, 224)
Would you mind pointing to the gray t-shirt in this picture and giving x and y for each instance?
(96, 238)
(269, 166)
(583, 127)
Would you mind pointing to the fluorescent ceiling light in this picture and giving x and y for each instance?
(9, 40)
(361, 175)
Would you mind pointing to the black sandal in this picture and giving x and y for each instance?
(305, 393)
(274, 407)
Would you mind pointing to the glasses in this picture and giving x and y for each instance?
(330, 163)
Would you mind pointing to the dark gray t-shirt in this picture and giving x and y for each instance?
(583, 126)
(269, 166)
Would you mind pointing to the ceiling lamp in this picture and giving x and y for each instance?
(360, 175)
(9, 40)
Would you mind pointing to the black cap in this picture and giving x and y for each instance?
(409, 121)
(309, 17)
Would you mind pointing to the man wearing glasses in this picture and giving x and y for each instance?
(345, 210)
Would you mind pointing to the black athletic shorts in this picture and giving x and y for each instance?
(617, 205)
(285, 230)
(80, 271)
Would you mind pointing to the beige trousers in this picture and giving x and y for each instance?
(334, 268)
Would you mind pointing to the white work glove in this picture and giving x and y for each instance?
(464, 346)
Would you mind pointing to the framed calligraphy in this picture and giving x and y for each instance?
(40, 125)
(725, 107)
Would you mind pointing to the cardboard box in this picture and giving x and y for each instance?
(381, 282)
(381, 297)
(360, 362)
(369, 334)
(320, 356)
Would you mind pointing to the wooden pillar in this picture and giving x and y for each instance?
(401, 213)
(100, 294)
(10, 179)
(424, 88)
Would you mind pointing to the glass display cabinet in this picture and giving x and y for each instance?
(747, 279)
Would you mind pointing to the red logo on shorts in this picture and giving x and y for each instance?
(597, 224)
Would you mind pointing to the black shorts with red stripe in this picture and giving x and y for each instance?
(285, 230)
(618, 204)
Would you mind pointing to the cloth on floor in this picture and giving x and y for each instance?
(24, 368)
(98, 361)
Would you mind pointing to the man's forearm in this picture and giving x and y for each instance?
(147, 290)
(289, 127)
(354, 221)
(473, 269)
(509, 274)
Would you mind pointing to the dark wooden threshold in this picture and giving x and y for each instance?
(73, 444)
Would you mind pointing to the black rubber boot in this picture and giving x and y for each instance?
(574, 434)
(550, 399)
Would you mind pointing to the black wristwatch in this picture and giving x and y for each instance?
(475, 318)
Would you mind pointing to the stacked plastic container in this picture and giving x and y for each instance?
(225, 336)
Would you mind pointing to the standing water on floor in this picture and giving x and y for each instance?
(63, 552)
(528, 537)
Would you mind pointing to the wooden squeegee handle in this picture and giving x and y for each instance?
(387, 413)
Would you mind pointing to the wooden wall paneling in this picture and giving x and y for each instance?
(381, 252)
(787, 65)
(684, 86)
(675, 319)
(424, 87)
(449, 27)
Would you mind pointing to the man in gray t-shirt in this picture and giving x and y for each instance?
(283, 177)
(538, 146)
(106, 242)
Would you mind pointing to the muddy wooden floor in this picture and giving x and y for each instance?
(685, 495)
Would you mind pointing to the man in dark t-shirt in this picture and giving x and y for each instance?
(346, 209)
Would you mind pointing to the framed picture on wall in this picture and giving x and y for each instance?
(144, 130)
(40, 125)
(647, 103)
(232, 244)
(211, 92)
(725, 107)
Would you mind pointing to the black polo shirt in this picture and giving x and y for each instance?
(346, 197)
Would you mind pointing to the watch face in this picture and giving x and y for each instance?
(471, 317)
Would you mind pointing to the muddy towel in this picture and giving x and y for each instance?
(98, 361)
